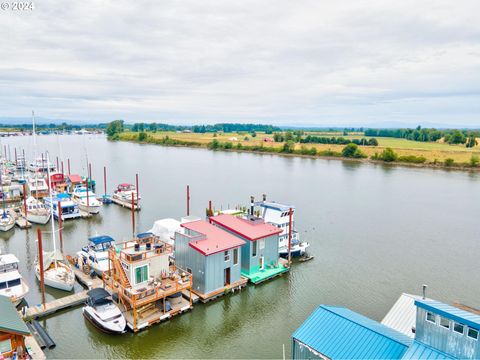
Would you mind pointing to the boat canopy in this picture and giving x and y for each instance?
(98, 296)
(144, 235)
(101, 239)
(63, 196)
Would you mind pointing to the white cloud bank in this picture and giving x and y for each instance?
(309, 62)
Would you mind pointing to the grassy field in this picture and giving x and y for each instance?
(432, 151)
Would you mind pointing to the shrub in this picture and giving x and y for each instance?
(142, 136)
(388, 155)
(474, 160)
(239, 146)
(214, 145)
(412, 159)
(228, 145)
(304, 150)
(313, 151)
(288, 147)
(449, 162)
(352, 151)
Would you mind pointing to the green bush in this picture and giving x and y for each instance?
(412, 159)
(387, 155)
(142, 136)
(474, 160)
(449, 162)
(352, 151)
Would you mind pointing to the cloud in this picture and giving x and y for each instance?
(302, 62)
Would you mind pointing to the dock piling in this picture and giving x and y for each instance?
(60, 224)
(188, 200)
(40, 258)
(25, 199)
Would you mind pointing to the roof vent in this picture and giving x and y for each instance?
(424, 291)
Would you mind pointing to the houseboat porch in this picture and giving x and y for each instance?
(238, 285)
(269, 272)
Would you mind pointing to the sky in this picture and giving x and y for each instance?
(283, 62)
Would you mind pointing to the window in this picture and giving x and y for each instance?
(444, 322)
(5, 346)
(227, 256)
(262, 244)
(235, 256)
(458, 328)
(430, 317)
(189, 270)
(254, 248)
(472, 333)
(14, 282)
(141, 274)
(3, 285)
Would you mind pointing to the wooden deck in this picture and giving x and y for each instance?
(20, 221)
(84, 214)
(237, 286)
(187, 294)
(126, 204)
(51, 307)
(34, 349)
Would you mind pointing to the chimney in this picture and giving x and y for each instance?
(424, 291)
(252, 200)
(264, 197)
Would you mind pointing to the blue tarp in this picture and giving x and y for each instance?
(101, 239)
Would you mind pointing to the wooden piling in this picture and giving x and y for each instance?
(62, 168)
(58, 166)
(105, 180)
(188, 200)
(136, 184)
(90, 170)
(68, 166)
(16, 161)
(290, 237)
(25, 200)
(133, 215)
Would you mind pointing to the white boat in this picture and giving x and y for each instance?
(165, 229)
(95, 254)
(38, 187)
(12, 285)
(37, 212)
(125, 192)
(278, 215)
(86, 201)
(69, 208)
(101, 311)
(56, 273)
(7, 221)
(41, 165)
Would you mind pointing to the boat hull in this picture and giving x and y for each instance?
(295, 251)
(49, 281)
(7, 226)
(38, 219)
(95, 209)
(100, 326)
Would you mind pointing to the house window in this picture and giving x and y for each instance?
(189, 270)
(262, 244)
(141, 274)
(235, 256)
(5, 346)
(227, 256)
(254, 248)
(472, 333)
(430, 317)
(444, 322)
(458, 328)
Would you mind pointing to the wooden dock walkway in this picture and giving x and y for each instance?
(20, 221)
(126, 204)
(51, 307)
(187, 293)
(85, 214)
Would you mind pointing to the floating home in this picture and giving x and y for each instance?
(73, 180)
(12, 331)
(212, 255)
(260, 254)
(148, 288)
(57, 180)
(440, 331)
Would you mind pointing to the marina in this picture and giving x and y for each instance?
(231, 307)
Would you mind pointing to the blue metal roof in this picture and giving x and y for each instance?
(424, 352)
(144, 235)
(450, 312)
(340, 333)
(101, 239)
(277, 206)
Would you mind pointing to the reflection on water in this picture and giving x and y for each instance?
(376, 231)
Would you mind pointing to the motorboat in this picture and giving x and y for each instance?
(7, 221)
(41, 165)
(102, 312)
(56, 273)
(86, 200)
(95, 254)
(12, 284)
(69, 209)
(37, 212)
(165, 229)
(125, 192)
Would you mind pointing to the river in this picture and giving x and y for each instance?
(375, 231)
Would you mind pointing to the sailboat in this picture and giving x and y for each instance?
(7, 221)
(37, 212)
(56, 272)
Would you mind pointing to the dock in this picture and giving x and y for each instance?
(51, 307)
(126, 204)
(85, 214)
(187, 294)
(34, 348)
(231, 288)
(20, 220)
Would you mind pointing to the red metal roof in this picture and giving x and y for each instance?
(74, 178)
(246, 228)
(216, 240)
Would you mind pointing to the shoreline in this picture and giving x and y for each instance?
(438, 166)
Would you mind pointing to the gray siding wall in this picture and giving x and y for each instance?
(208, 271)
(250, 263)
(444, 339)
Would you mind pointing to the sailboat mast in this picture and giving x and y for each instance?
(51, 211)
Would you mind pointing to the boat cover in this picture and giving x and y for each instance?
(98, 295)
(101, 239)
(165, 229)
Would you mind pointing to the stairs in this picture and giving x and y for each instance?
(121, 272)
